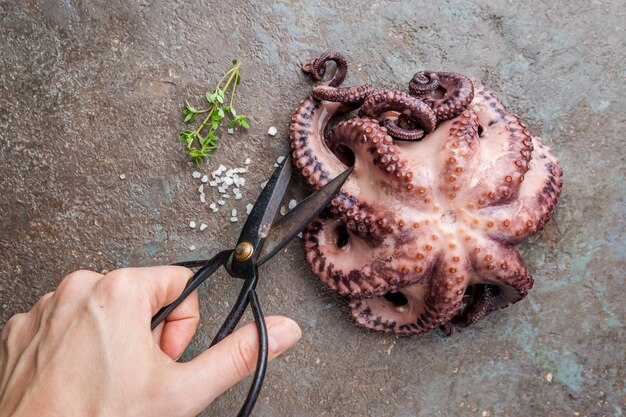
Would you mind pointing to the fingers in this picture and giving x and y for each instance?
(160, 285)
(76, 285)
(180, 326)
(151, 289)
(231, 360)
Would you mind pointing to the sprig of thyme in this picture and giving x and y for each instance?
(201, 142)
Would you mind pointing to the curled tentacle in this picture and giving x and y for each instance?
(449, 98)
(317, 67)
(330, 90)
(390, 105)
(402, 129)
(424, 82)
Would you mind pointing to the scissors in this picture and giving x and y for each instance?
(260, 239)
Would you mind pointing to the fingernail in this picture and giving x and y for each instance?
(282, 335)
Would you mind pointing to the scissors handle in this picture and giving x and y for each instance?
(261, 365)
(198, 278)
(236, 313)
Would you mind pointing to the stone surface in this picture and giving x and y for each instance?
(90, 91)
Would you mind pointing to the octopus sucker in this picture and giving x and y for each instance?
(446, 183)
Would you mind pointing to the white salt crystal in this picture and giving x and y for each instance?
(238, 197)
(242, 182)
(280, 159)
(233, 219)
(230, 130)
(196, 174)
(248, 161)
(202, 198)
(233, 213)
(201, 188)
(221, 202)
(249, 208)
(213, 183)
(299, 235)
(222, 190)
(205, 179)
(229, 181)
(203, 226)
(236, 191)
(272, 131)
(263, 184)
(212, 206)
(192, 247)
(283, 210)
(292, 204)
(192, 224)
(225, 196)
(222, 168)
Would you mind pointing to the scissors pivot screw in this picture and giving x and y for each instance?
(244, 251)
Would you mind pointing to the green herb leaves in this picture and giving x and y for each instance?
(201, 142)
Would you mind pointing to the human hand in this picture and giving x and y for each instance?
(86, 349)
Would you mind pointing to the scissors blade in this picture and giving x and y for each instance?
(260, 220)
(297, 219)
(277, 193)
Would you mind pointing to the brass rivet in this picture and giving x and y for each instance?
(243, 251)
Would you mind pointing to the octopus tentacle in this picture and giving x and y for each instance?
(371, 146)
(391, 104)
(500, 279)
(364, 143)
(317, 67)
(535, 203)
(444, 297)
(424, 82)
(343, 94)
(388, 104)
(309, 150)
(458, 92)
(330, 90)
(458, 153)
(402, 133)
(506, 150)
(358, 266)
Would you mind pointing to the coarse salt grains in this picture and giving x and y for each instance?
(227, 181)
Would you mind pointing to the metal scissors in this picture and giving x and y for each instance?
(260, 239)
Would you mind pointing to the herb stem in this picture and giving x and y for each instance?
(198, 144)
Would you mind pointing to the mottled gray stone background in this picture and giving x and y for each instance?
(92, 90)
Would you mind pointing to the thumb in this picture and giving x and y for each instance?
(231, 360)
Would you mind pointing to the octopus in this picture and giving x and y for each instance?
(447, 182)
